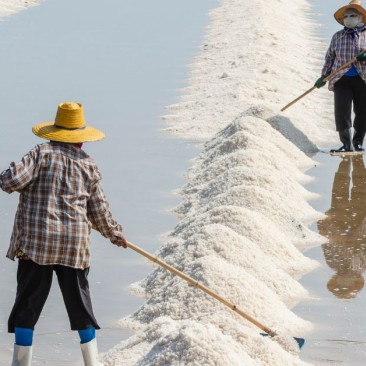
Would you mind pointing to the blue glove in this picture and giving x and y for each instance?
(320, 82)
(361, 56)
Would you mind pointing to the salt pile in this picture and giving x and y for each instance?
(270, 56)
(10, 7)
(244, 214)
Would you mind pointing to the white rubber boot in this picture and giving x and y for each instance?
(90, 353)
(22, 355)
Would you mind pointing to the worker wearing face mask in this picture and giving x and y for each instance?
(349, 84)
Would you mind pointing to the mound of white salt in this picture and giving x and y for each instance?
(243, 213)
(259, 70)
(233, 248)
(257, 228)
(263, 177)
(245, 187)
(287, 216)
(204, 170)
(10, 7)
(171, 296)
(237, 238)
(283, 125)
(248, 131)
(168, 342)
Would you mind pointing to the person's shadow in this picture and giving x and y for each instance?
(345, 227)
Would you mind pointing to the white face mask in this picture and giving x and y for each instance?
(352, 19)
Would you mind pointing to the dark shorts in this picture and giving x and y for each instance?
(34, 284)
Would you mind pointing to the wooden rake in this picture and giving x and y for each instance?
(193, 282)
(329, 77)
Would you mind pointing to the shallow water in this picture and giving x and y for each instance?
(337, 287)
(118, 59)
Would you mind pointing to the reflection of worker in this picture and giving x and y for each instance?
(345, 227)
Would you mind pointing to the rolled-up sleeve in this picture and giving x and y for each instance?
(100, 216)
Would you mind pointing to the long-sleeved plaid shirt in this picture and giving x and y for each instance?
(343, 47)
(61, 199)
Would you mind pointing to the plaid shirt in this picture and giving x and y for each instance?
(343, 47)
(61, 199)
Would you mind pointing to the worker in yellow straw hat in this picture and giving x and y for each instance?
(61, 199)
(349, 84)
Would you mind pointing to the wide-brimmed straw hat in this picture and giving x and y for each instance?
(354, 4)
(68, 126)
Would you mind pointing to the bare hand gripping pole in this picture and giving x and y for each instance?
(300, 341)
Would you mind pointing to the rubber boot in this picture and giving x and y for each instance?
(90, 353)
(22, 355)
(358, 141)
(346, 140)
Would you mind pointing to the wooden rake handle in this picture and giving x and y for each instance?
(329, 77)
(193, 282)
(298, 98)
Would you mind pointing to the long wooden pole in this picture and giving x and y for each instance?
(201, 287)
(325, 79)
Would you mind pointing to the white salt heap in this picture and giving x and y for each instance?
(10, 7)
(244, 212)
(255, 227)
(270, 55)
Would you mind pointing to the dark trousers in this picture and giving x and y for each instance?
(34, 284)
(347, 91)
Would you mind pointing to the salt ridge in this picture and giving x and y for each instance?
(10, 7)
(244, 214)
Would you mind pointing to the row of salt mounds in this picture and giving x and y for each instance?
(225, 174)
(10, 7)
(245, 254)
(246, 62)
(240, 248)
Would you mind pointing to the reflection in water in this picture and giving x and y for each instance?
(345, 227)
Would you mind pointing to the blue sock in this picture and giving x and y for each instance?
(86, 335)
(23, 336)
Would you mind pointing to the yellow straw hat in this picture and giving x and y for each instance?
(69, 126)
(354, 4)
